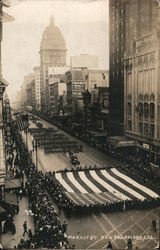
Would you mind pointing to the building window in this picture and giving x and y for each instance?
(129, 108)
(152, 107)
(140, 109)
(146, 110)
(129, 125)
(152, 130)
(140, 128)
(146, 129)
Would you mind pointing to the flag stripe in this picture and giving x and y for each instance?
(81, 181)
(121, 190)
(121, 185)
(98, 198)
(107, 186)
(129, 184)
(74, 196)
(131, 181)
(84, 198)
(110, 196)
(75, 182)
(89, 199)
(96, 183)
(69, 182)
(105, 192)
(105, 198)
(92, 199)
(88, 182)
(63, 183)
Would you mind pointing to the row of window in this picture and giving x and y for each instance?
(118, 60)
(143, 109)
(146, 130)
(143, 128)
(117, 72)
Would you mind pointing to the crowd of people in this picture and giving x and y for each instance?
(7, 223)
(142, 171)
(43, 188)
(49, 231)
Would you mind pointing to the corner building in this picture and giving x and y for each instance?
(141, 74)
(52, 54)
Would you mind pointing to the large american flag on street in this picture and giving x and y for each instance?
(101, 185)
(22, 122)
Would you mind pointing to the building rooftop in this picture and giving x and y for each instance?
(52, 37)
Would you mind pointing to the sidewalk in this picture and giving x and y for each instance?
(10, 240)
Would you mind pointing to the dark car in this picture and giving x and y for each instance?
(74, 160)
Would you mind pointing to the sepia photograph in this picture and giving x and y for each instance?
(80, 124)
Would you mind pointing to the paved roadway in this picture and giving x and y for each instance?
(93, 231)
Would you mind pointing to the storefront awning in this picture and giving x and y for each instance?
(10, 199)
(97, 133)
(120, 141)
(12, 184)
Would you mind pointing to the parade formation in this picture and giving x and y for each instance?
(80, 131)
(53, 141)
(76, 191)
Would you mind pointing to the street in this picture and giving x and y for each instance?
(93, 231)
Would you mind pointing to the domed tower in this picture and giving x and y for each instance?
(53, 54)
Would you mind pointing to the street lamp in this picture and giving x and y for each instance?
(35, 146)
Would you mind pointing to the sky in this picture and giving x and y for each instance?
(84, 24)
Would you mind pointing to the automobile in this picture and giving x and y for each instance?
(74, 160)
